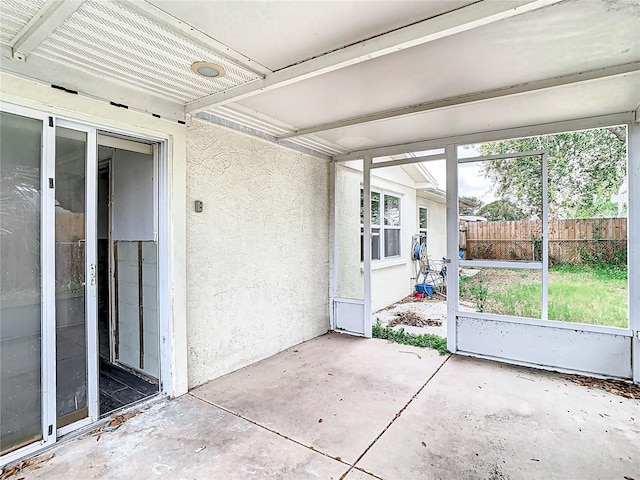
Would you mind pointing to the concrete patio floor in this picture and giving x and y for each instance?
(340, 407)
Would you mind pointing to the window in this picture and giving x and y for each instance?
(423, 215)
(385, 225)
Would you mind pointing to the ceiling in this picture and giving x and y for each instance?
(338, 76)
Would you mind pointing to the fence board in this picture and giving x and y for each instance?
(573, 241)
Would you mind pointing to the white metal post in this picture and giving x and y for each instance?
(545, 240)
(366, 173)
(333, 243)
(451, 152)
(165, 272)
(91, 274)
(633, 229)
(47, 235)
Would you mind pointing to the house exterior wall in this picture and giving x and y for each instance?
(30, 94)
(258, 254)
(391, 279)
(348, 267)
(436, 227)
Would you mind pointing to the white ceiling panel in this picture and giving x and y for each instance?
(280, 33)
(14, 16)
(564, 103)
(109, 40)
(149, 46)
(566, 38)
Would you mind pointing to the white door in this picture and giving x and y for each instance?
(352, 249)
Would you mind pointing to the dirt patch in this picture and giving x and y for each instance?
(498, 280)
(413, 320)
(411, 299)
(617, 387)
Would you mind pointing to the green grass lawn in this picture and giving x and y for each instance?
(577, 293)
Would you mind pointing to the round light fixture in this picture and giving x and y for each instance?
(207, 69)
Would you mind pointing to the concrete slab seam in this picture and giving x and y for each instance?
(309, 447)
(395, 417)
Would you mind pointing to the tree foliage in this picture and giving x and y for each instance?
(501, 210)
(464, 210)
(585, 169)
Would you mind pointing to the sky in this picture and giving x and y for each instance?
(470, 180)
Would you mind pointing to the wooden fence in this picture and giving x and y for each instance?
(570, 241)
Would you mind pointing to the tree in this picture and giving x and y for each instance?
(465, 210)
(501, 210)
(584, 170)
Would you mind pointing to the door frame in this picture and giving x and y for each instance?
(160, 143)
(350, 315)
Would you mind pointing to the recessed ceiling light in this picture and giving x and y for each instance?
(207, 69)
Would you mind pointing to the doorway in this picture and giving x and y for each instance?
(79, 329)
(127, 273)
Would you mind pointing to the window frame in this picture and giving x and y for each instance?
(423, 231)
(379, 229)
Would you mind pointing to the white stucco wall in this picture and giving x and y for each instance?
(258, 254)
(30, 94)
(348, 268)
(391, 278)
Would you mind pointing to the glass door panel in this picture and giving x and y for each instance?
(20, 282)
(70, 281)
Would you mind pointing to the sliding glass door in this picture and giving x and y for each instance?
(73, 280)
(48, 340)
(20, 281)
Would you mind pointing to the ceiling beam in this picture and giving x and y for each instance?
(409, 160)
(564, 80)
(457, 21)
(44, 23)
(174, 24)
(492, 136)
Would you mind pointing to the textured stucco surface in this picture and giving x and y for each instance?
(258, 255)
(349, 276)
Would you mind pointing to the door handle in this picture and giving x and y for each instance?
(93, 274)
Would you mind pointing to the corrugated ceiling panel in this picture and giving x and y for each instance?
(110, 40)
(270, 126)
(14, 15)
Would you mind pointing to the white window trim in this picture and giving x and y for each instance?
(420, 229)
(393, 260)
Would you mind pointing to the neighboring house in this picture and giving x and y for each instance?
(405, 202)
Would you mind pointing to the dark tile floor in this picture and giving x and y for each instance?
(119, 387)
